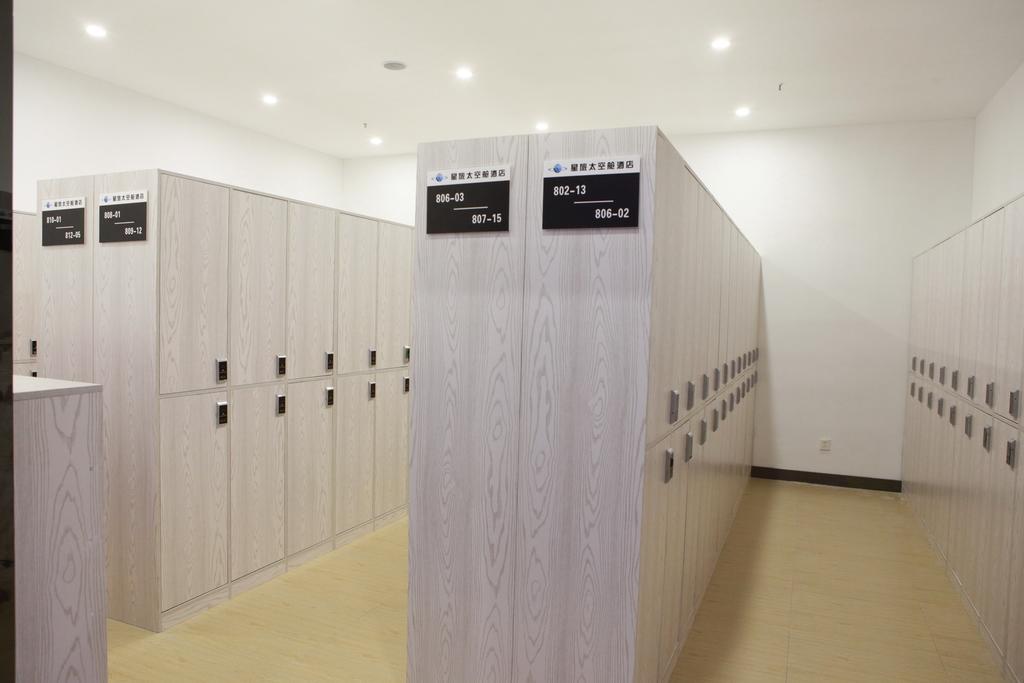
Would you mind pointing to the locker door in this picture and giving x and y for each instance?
(954, 308)
(693, 346)
(257, 477)
(725, 305)
(394, 295)
(193, 497)
(311, 258)
(998, 484)
(26, 286)
(652, 559)
(711, 224)
(1015, 635)
(1010, 338)
(391, 441)
(695, 492)
(193, 283)
(258, 235)
(353, 471)
(944, 456)
(357, 293)
(991, 284)
(310, 450)
(970, 318)
(962, 464)
(672, 593)
(65, 323)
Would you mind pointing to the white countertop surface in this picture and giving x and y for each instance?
(27, 388)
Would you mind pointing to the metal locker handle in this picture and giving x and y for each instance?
(986, 438)
(1011, 454)
(673, 406)
(990, 394)
(689, 447)
(691, 391)
(1015, 403)
(670, 464)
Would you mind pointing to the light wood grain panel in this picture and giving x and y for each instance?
(357, 292)
(653, 560)
(26, 369)
(125, 363)
(66, 322)
(257, 478)
(394, 294)
(999, 484)
(391, 443)
(669, 350)
(58, 507)
(991, 283)
(671, 594)
(257, 286)
(585, 364)
(193, 283)
(354, 454)
(26, 285)
(193, 498)
(1009, 360)
(695, 494)
(1015, 630)
(312, 255)
(467, 336)
(954, 304)
(693, 344)
(711, 224)
(309, 464)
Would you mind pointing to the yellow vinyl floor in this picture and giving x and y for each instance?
(825, 584)
(814, 584)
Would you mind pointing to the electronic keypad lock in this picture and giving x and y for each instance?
(970, 386)
(670, 464)
(282, 365)
(373, 358)
(1015, 403)
(689, 447)
(673, 406)
(405, 384)
(942, 375)
(281, 404)
(969, 426)
(222, 370)
(954, 380)
(691, 390)
(330, 396)
(222, 412)
(703, 431)
(407, 353)
(718, 378)
(33, 347)
(373, 389)
(1011, 454)
(705, 386)
(329, 361)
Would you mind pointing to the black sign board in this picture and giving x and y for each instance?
(63, 221)
(587, 194)
(123, 217)
(468, 200)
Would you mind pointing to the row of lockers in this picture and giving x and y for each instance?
(704, 307)
(226, 310)
(706, 468)
(283, 468)
(252, 288)
(962, 476)
(967, 316)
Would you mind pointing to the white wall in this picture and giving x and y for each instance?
(69, 124)
(999, 148)
(837, 214)
(382, 187)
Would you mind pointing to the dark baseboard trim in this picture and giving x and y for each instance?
(844, 480)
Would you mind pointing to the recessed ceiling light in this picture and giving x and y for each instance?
(376, 140)
(464, 73)
(541, 125)
(394, 65)
(96, 31)
(270, 99)
(743, 112)
(721, 43)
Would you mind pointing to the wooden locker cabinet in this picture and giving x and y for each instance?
(998, 486)
(193, 499)
(309, 467)
(65, 313)
(970, 318)
(560, 435)
(258, 238)
(1015, 630)
(193, 283)
(357, 293)
(25, 294)
(312, 256)
(196, 517)
(391, 441)
(354, 454)
(991, 286)
(258, 439)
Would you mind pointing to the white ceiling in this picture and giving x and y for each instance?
(574, 63)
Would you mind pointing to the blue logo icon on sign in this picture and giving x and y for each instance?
(106, 199)
(558, 168)
(439, 177)
(48, 205)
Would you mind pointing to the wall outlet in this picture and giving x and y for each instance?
(825, 445)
